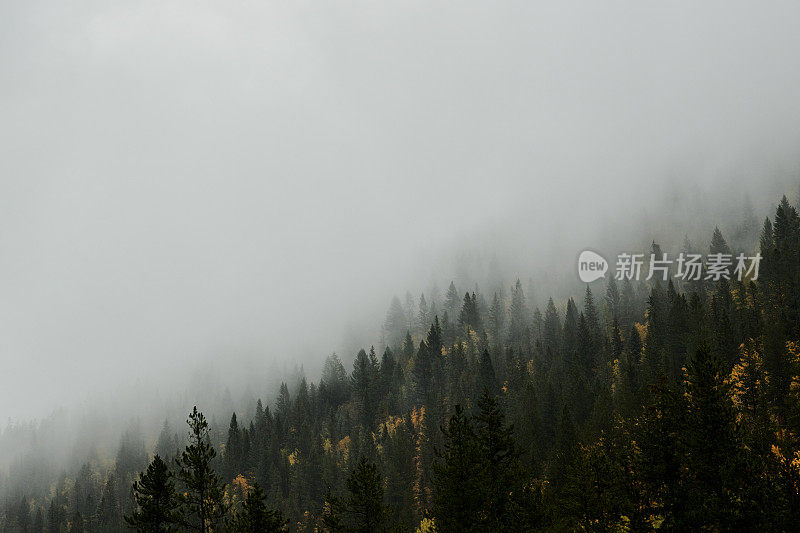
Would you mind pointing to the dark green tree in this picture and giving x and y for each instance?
(156, 500)
(363, 511)
(458, 475)
(255, 517)
(202, 504)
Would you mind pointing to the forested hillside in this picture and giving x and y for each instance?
(633, 406)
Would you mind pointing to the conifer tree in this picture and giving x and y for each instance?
(552, 327)
(497, 318)
(423, 313)
(167, 445)
(452, 300)
(156, 500)
(334, 377)
(612, 298)
(518, 315)
(594, 339)
(458, 478)
(202, 504)
(627, 305)
(109, 512)
(479, 483)
(712, 447)
(423, 366)
(434, 340)
(507, 506)
(364, 510)
(38, 521)
(365, 382)
(469, 315)
(487, 380)
(396, 322)
(255, 517)
(718, 244)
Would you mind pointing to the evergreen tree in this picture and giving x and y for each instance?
(712, 448)
(233, 449)
(364, 510)
(334, 377)
(38, 522)
(109, 512)
(552, 327)
(156, 500)
(486, 376)
(451, 300)
(612, 298)
(202, 504)
(423, 313)
(718, 244)
(507, 505)
(518, 313)
(469, 317)
(479, 483)
(458, 488)
(497, 318)
(167, 445)
(396, 322)
(255, 517)
(365, 382)
(435, 340)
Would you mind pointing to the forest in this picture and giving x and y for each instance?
(634, 406)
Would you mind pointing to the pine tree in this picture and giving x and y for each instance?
(718, 244)
(594, 339)
(569, 337)
(612, 298)
(518, 313)
(283, 407)
(255, 517)
(469, 317)
(712, 447)
(202, 504)
(458, 476)
(486, 375)
(507, 504)
(552, 328)
(452, 300)
(396, 323)
(364, 510)
(423, 313)
(627, 305)
(156, 499)
(423, 367)
(479, 483)
(365, 382)
(435, 340)
(388, 369)
(109, 512)
(167, 445)
(497, 318)
(38, 521)
(233, 449)
(334, 377)
(408, 307)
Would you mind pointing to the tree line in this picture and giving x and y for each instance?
(656, 406)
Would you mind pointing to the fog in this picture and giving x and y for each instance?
(241, 188)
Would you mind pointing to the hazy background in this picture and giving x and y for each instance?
(251, 182)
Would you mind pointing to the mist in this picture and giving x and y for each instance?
(250, 184)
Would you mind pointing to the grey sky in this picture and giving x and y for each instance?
(184, 180)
